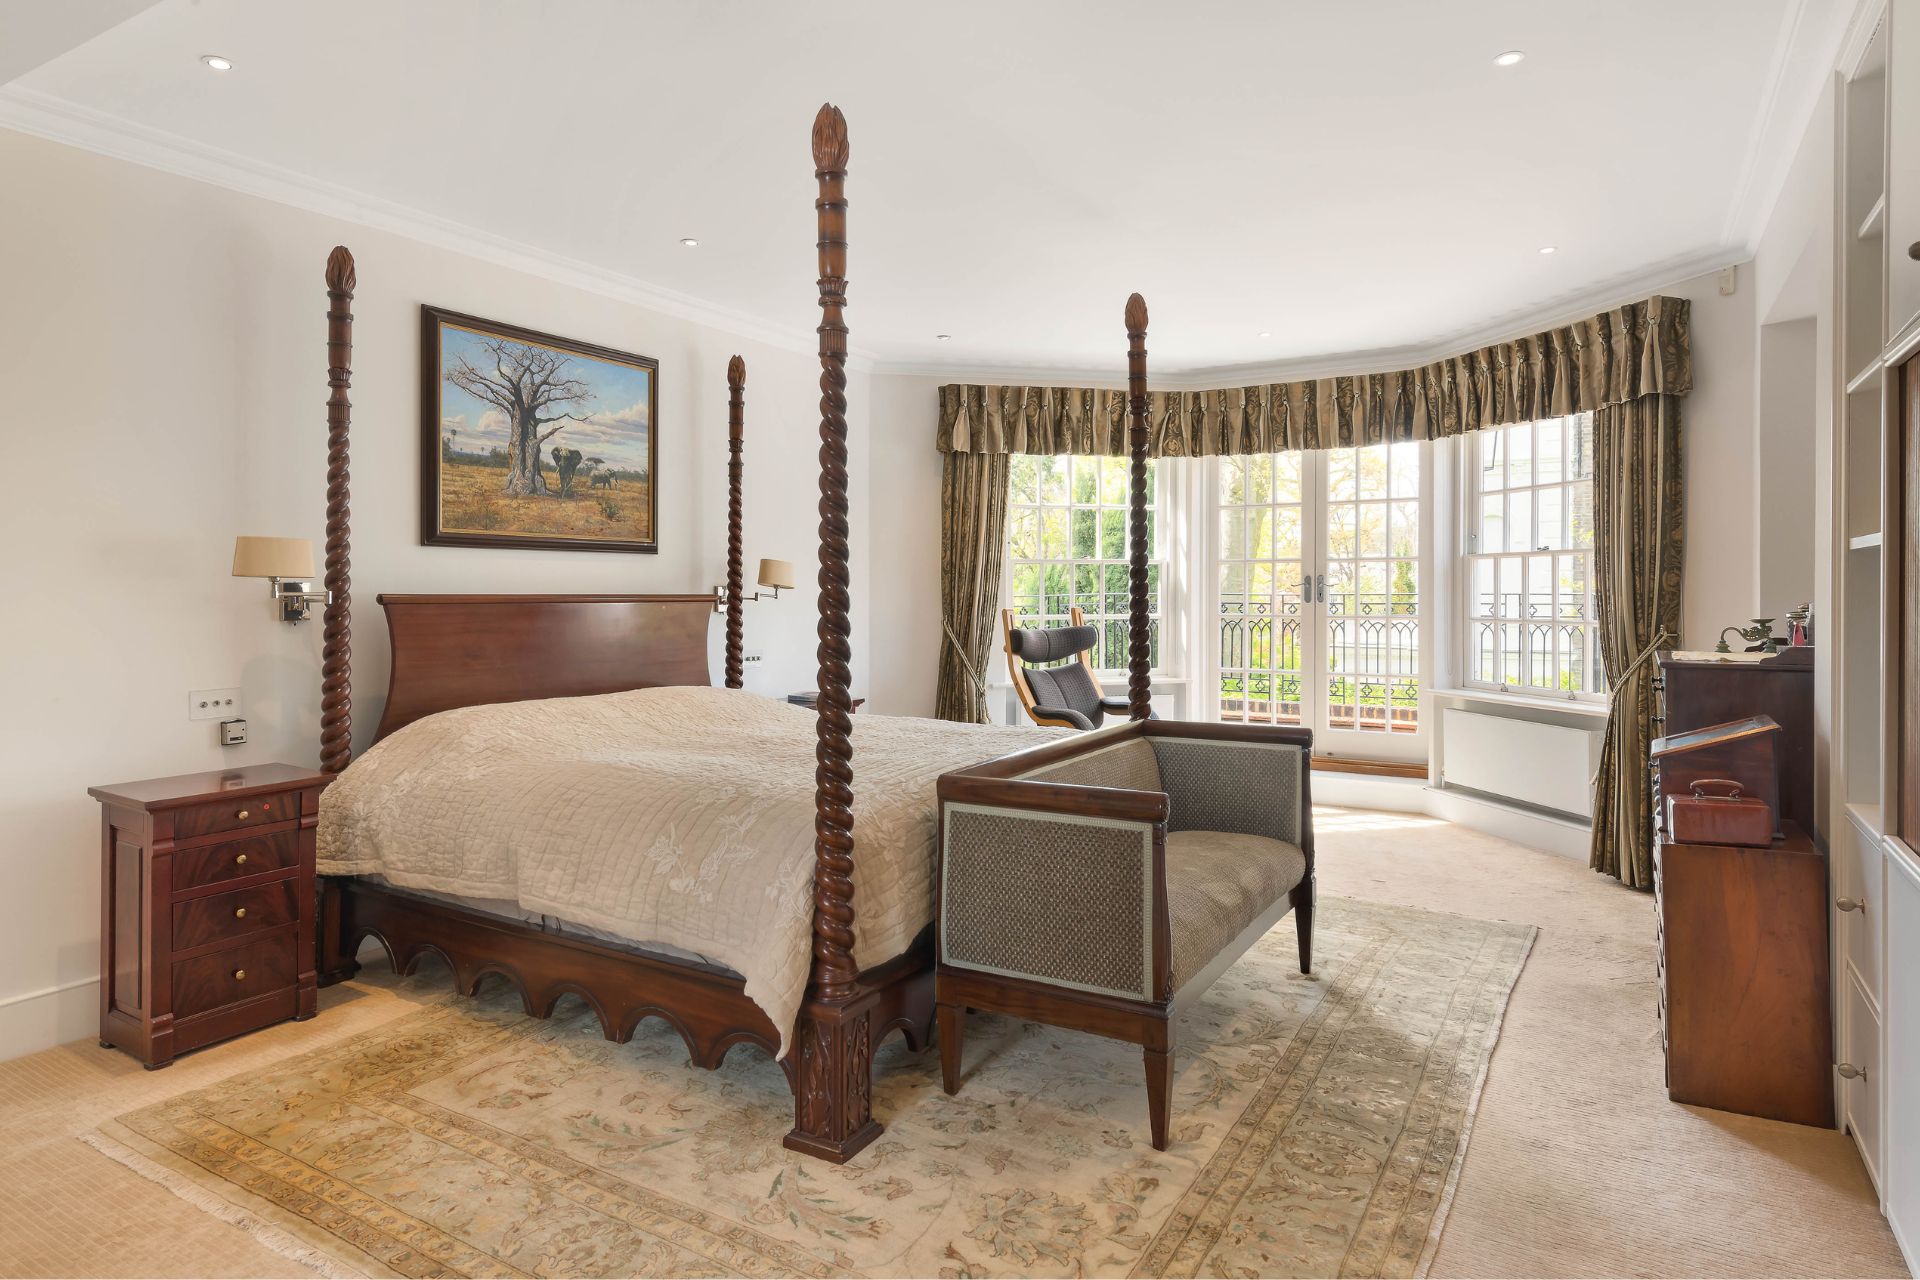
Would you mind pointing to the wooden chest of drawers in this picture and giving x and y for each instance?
(1744, 977)
(207, 907)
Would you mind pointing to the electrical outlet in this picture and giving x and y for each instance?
(213, 704)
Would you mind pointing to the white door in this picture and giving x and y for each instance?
(1319, 603)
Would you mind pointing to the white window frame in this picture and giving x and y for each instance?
(1468, 552)
(1171, 554)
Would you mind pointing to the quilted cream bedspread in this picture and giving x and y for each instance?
(679, 815)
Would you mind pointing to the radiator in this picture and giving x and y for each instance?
(1548, 766)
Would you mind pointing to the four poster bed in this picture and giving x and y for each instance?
(654, 799)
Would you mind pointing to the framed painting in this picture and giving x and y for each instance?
(529, 440)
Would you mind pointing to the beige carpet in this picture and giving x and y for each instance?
(1578, 1164)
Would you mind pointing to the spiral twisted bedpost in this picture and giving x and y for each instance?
(834, 971)
(1139, 642)
(736, 587)
(336, 647)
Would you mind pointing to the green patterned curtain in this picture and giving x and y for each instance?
(973, 550)
(1638, 550)
(1611, 358)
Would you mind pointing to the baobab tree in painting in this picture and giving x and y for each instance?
(531, 386)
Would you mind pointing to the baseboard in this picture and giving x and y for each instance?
(1535, 830)
(1370, 791)
(36, 1020)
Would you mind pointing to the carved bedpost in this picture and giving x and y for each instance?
(1139, 652)
(336, 648)
(833, 1041)
(736, 587)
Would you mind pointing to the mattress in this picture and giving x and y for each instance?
(665, 818)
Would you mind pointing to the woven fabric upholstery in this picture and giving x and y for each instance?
(1130, 764)
(1218, 883)
(1070, 687)
(1246, 787)
(1054, 898)
(1036, 644)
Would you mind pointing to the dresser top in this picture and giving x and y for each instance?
(194, 788)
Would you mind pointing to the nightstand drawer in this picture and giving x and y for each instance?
(245, 856)
(240, 973)
(233, 915)
(230, 815)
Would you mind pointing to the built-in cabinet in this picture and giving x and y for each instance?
(1874, 871)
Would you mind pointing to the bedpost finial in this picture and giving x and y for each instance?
(736, 373)
(340, 277)
(829, 138)
(1136, 314)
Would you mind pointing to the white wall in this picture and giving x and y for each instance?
(163, 344)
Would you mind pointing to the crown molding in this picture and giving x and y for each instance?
(1562, 310)
(55, 119)
(1787, 106)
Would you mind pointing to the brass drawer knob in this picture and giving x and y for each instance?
(1850, 904)
(239, 913)
(240, 860)
(239, 975)
(1850, 1072)
(241, 815)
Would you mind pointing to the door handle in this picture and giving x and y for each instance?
(1320, 585)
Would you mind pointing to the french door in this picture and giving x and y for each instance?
(1320, 599)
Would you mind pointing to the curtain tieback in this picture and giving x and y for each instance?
(960, 652)
(1621, 683)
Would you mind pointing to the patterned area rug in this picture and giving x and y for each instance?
(1319, 1124)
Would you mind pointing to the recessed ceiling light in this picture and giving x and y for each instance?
(1547, 248)
(943, 337)
(1263, 334)
(217, 62)
(1510, 57)
(690, 242)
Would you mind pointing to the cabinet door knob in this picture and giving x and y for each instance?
(1850, 904)
(240, 815)
(240, 860)
(239, 913)
(1850, 1072)
(240, 975)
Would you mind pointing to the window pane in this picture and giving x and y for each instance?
(1520, 520)
(1480, 599)
(1373, 528)
(1520, 454)
(1549, 517)
(1405, 540)
(1086, 480)
(1539, 586)
(1053, 479)
(1549, 446)
(1580, 447)
(1286, 477)
(1492, 459)
(1372, 464)
(1113, 534)
(1084, 543)
(1053, 531)
(1493, 527)
(1406, 471)
(1286, 542)
(1341, 535)
(1341, 481)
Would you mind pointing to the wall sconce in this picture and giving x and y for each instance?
(775, 575)
(288, 563)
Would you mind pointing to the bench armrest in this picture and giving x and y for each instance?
(1054, 883)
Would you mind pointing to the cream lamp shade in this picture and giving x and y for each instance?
(777, 574)
(273, 558)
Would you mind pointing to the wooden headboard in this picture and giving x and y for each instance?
(464, 651)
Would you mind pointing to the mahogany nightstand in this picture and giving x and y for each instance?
(206, 906)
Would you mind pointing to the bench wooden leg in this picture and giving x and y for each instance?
(1159, 1092)
(1303, 922)
(953, 1033)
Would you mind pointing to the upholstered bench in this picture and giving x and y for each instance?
(1103, 883)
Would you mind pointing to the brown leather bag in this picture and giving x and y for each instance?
(1718, 812)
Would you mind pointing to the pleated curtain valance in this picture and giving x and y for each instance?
(1612, 358)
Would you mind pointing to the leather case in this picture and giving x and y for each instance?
(1717, 811)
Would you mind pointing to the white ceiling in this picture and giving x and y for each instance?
(1347, 176)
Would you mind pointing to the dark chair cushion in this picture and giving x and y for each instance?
(1033, 644)
(1072, 717)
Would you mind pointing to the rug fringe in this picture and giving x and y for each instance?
(279, 1240)
(1434, 1228)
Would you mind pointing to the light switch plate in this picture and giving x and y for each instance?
(213, 704)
